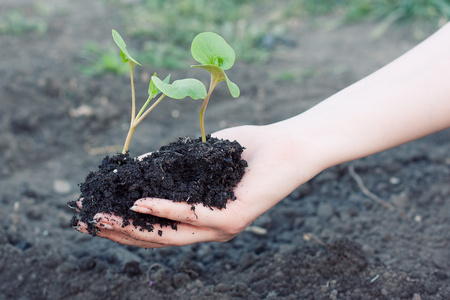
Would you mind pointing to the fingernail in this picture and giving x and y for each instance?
(140, 209)
(93, 221)
(74, 223)
(72, 205)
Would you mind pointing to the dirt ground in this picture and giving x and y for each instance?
(55, 125)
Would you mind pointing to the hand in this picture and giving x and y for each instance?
(271, 175)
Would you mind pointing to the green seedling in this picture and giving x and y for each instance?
(215, 56)
(179, 89)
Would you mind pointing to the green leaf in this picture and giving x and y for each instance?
(183, 88)
(217, 72)
(153, 91)
(167, 79)
(219, 75)
(123, 48)
(234, 89)
(209, 48)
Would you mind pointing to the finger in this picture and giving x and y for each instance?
(183, 212)
(141, 157)
(119, 237)
(185, 234)
(81, 227)
(84, 227)
(162, 236)
(75, 205)
(110, 227)
(176, 211)
(107, 220)
(124, 239)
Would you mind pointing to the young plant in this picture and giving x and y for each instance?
(215, 56)
(179, 89)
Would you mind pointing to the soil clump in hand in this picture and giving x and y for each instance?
(186, 170)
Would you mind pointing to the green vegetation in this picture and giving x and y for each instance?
(431, 12)
(98, 60)
(213, 54)
(163, 29)
(17, 22)
(178, 89)
(298, 76)
(168, 27)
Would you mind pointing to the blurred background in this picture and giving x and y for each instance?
(163, 30)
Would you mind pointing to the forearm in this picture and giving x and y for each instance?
(407, 99)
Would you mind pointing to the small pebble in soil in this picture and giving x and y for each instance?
(180, 279)
(61, 187)
(132, 269)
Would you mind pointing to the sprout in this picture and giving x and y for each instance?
(179, 89)
(215, 56)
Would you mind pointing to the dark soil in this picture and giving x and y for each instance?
(56, 125)
(186, 170)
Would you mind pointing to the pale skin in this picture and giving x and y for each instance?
(403, 101)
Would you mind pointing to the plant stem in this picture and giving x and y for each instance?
(138, 119)
(128, 139)
(214, 81)
(143, 107)
(133, 111)
(133, 96)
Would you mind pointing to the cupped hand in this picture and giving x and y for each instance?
(273, 172)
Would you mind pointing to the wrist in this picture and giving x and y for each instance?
(302, 147)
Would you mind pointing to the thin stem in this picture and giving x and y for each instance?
(214, 81)
(143, 107)
(133, 111)
(138, 120)
(128, 139)
(133, 96)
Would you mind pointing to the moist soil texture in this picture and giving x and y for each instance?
(327, 240)
(186, 170)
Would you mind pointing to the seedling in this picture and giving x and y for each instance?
(215, 56)
(179, 89)
(207, 48)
